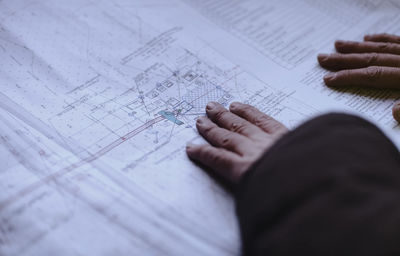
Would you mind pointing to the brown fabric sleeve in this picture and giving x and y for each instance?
(330, 187)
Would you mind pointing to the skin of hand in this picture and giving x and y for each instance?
(372, 63)
(237, 137)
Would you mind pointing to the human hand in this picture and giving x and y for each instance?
(238, 137)
(372, 63)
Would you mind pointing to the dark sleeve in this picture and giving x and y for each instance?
(330, 187)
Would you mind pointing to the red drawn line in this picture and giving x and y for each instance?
(60, 173)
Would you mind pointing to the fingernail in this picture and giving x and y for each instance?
(189, 145)
(211, 105)
(199, 120)
(323, 57)
(234, 105)
(396, 112)
(329, 78)
(339, 43)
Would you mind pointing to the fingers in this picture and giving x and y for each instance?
(221, 137)
(377, 77)
(256, 117)
(365, 47)
(232, 152)
(372, 63)
(226, 119)
(339, 61)
(396, 111)
(220, 160)
(383, 38)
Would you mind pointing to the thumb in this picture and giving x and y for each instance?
(396, 111)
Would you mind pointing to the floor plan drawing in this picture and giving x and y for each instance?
(99, 99)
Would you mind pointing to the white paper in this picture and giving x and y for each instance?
(99, 98)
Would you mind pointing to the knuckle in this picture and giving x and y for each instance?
(372, 59)
(209, 130)
(277, 129)
(220, 115)
(373, 73)
(260, 120)
(385, 47)
(215, 158)
(226, 140)
(238, 127)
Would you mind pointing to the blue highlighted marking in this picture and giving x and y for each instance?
(171, 117)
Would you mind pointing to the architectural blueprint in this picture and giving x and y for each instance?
(99, 98)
